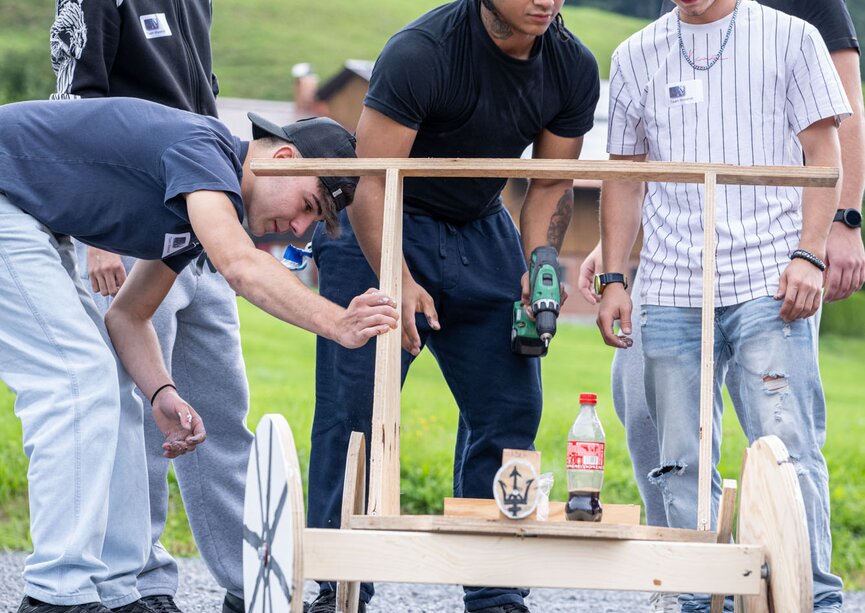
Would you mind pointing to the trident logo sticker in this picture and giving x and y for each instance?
(515, 489)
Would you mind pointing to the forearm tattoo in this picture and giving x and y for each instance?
(561, 219)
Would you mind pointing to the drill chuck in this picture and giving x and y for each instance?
(545, 321)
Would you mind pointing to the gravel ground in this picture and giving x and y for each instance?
(199, 594)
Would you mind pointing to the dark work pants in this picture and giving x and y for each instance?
(473, 274)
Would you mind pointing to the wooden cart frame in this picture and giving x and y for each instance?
(768, 569)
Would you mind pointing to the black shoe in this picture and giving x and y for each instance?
(162, 603)
(232, 604)
(504, 608)
(139, 606)
(326, 603)
(31, 605)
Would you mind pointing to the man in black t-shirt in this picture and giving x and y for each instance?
(473, 78)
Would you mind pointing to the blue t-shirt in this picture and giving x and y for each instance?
(443, 76)
(112, 172)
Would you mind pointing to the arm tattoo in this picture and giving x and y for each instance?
(561, 219)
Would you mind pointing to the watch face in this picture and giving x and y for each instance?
(599, 288)
(853, 218)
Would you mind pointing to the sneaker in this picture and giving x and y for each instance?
(163, 603)
(664, 602)
(326, 603)
(510, 607)
(232, 604)
(139, 606)
(31, 605)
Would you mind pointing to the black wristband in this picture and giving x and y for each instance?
(808, 257)
(159, 389)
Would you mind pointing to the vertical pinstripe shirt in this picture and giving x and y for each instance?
(774, 79)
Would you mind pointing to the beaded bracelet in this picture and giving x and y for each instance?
(159, 389)
(808, 257)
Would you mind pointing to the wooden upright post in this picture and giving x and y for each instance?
(707, 359)
(384, 451)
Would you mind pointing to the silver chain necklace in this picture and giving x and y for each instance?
(718, 55)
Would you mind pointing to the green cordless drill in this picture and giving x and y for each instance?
(532, 337)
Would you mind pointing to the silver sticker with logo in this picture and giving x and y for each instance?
(155, 25)
(685, 92)
(175, 243)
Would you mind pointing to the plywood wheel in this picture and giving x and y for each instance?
(353, 496)
(772, 515)
(273, 522)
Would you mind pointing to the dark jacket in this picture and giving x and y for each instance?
(158, 50)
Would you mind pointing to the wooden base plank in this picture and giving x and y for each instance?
(525, 528)
(481, 508)
(424, 557)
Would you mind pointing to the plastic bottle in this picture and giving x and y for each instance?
(585, 468)
(296, 258)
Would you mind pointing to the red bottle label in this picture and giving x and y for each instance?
(585, 455)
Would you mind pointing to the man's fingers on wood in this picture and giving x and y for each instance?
(376, 321)
(376, 296)
(382, 310)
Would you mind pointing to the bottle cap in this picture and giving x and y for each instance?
(588, 399)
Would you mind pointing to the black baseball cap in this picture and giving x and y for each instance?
(315, 137)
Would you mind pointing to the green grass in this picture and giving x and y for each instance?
(280, 364)
(254, 50)
(256, 42)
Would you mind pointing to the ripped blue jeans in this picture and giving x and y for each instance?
(779, 384)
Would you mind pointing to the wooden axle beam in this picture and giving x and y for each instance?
(548, 562)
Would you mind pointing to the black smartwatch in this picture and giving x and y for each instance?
(849, 217)
(604, 279)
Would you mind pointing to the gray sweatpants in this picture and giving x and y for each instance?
(199, 333)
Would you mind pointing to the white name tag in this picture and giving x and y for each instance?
(176, 242)
(155, 25)
(685, 92)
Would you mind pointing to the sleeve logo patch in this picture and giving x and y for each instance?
(155, 25)
(175, 243)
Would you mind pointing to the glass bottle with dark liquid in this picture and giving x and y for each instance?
(585, 467)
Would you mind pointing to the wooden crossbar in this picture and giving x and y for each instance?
(725, 174)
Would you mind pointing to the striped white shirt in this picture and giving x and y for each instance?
(774, 79)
